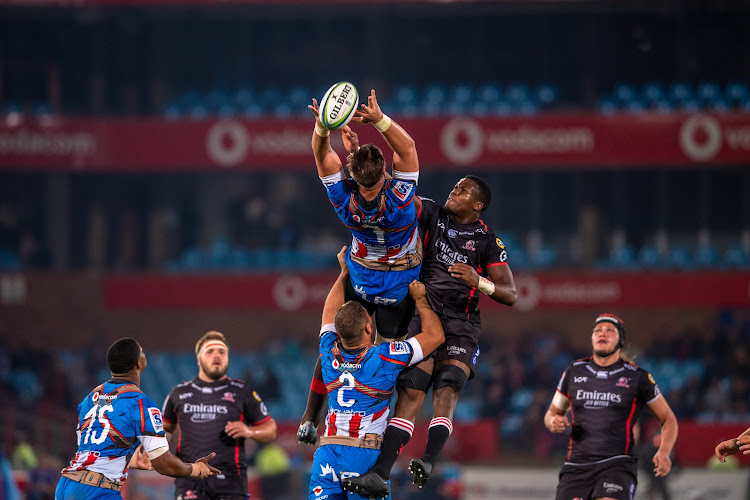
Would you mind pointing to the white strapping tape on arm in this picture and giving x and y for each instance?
(157, 452)
(406, 176)
(329, 327)
(560, 402)
(417, 354)
(333, 178)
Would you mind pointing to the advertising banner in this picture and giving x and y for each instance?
(585, 140)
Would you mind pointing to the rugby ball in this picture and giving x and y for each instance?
(338, 105)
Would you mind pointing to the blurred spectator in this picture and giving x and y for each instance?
(24, 457)
(273, 466)
(43, 478)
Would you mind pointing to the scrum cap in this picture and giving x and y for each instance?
(615, 320)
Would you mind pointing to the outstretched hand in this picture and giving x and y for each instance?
(202, 469)
(316, 111)
(370, 112)
(350, 138)
(662, 463)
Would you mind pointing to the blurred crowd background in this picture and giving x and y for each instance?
(69, 230)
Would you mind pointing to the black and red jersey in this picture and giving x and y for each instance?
(202, 409)
(605, 403)
(446, 243)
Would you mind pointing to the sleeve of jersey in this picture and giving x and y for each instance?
(167, 410)
(327, 338)
(401, 192)
(256, 411)
(648, 389)
(495, 254)
(395, 356)
(562, 385)
(336, 187)
(149, 425)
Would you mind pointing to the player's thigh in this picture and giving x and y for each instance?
(574, 482)
(71, 490)
(393, 321)
(617, 481)
(461, 344)
(331, 464)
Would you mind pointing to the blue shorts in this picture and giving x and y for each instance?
(333, 462)
(384, 288)
(71, 490)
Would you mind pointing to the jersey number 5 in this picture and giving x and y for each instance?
(347, 379)
(96, 414)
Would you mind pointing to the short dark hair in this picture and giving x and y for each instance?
(123, 355)
(350, 321)
(212, 335)
(484, 191)
(366, 165)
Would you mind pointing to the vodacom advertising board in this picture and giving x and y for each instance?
(551, 140)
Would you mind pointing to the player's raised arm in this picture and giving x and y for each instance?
(335, 298)
(432, 334)
(404, 148)
(326, 159)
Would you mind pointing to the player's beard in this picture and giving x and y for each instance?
(604, 353)
(214, 373)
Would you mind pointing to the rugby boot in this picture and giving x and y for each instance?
(421, 470)
(369, 484)
(307, 433)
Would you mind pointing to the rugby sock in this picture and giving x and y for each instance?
(397, 434)
(440, 429)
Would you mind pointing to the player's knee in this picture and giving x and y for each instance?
(413, 378)
(450, 376)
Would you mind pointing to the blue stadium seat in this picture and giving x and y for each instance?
(707, 256)
(244, 96)
(405, 94)
(489, 93)
(198, 112)
(737, 91)
(435, 93)
(623, 258)
(624, 92)
(252, 110)
(653, 91)
(501, 108)
(650, 257)
(691, 105)
(708, 91)
(736, 257)
(680, 91)
(680, 258)
(635, 106)
(546, 94)
(462, 94)
(517, 93)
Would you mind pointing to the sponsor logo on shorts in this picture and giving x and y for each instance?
(317, 490)
(455, 350)
(612, 487)
(327, 469)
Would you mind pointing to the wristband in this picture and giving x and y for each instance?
(486, 286)
(383, 124)
(322, 132)
(318, 386)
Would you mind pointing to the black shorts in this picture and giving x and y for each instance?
(211, 488)
(615, 478)
(461, 340)
(391, 322)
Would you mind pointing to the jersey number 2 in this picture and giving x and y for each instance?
(348, 380)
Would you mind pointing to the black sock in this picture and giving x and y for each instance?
(440, 431)
(394, 440)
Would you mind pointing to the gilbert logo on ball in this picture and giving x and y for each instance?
(338, 105)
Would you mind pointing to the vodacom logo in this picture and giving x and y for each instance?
(290, 292)
(700, 137)
(462, 141)
(227, 143)
(529, 292)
